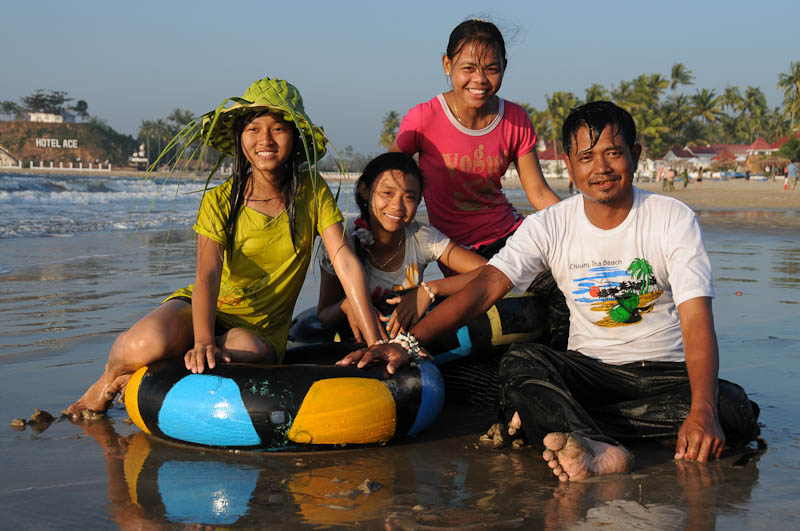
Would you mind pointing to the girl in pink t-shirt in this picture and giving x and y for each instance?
(466, 139)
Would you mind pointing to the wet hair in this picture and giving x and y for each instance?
(597, 115)
(477, 31)
(374, 169)
(243, 173)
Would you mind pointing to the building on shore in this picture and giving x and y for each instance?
(7, 159)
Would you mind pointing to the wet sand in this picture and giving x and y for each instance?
(64, 299)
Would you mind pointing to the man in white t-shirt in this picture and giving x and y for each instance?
(642, 358)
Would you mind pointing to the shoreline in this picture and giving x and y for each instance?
(715, 194)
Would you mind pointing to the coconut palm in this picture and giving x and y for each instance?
(754, 107)
(707, 105)
(641, 270)
(540, 120)
(680, 75)
(596, 92)
(559, 105)
(789, 83)
(390, 125)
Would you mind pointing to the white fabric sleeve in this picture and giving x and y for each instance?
(431, 243)
(524, 255)
(687, 260)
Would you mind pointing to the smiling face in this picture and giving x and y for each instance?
(267, 143)
(393, 200)
(476, 73)
(603, 172)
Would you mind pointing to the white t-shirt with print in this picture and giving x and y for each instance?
(424, 244)
(622, 285)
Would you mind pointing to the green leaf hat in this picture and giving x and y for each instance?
(274, 95)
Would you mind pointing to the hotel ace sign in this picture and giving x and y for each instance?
(65, 143)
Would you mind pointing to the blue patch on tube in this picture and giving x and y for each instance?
(207, 409)
(205, 492)
(430, 405)
(463, 349)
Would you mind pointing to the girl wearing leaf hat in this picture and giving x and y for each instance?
(255, 239)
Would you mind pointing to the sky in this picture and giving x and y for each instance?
(353, 61)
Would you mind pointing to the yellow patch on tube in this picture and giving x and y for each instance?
(345, 411)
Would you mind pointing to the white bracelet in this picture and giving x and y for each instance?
(428, 290)
(410, 344)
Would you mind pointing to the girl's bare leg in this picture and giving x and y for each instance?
(245, 346)
(163, 333)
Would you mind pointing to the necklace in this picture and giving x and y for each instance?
(261, 200)
(490, 117)
(394, 255)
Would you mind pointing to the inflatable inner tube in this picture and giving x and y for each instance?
(284, 407)
(511, 320)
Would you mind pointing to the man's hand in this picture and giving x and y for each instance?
(700, 437)
(201, 354)
(393, 354)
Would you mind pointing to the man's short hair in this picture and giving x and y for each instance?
(597, 115)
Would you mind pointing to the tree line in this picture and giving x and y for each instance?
(666, 118)
(46, 101)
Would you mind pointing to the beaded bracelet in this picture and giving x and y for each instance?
(428, 290)
(411, 345)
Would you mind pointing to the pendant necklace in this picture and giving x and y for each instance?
(458, 117)
(394, 255)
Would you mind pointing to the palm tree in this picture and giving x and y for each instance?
(640, 269)
(680, 75)
(596, 92)
(754, 107)
(790, 84)
(390, 125)
(146, 131)
(559, 105)
(539, 119)
(707, 105)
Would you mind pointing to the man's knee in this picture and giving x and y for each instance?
(738, 414)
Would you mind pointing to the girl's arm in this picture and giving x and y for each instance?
(413, 305)
(539, 193)
(204, 307)
(351, 276)
(331, 297)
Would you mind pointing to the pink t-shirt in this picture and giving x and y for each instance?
(462, 167)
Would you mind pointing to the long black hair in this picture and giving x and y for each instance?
(374, 169)
(243, 173)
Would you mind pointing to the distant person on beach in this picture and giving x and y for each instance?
(394, 249)
(685, 177)
(698, 184)
(642, 360)
(791, 175)
(256, 234)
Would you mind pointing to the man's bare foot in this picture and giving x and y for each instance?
(574, 457)
(515, 424)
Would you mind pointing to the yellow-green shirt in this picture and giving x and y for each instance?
(262, 277)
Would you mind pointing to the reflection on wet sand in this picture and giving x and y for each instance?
(154, 484)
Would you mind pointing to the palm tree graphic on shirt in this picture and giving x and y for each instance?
(625, 301)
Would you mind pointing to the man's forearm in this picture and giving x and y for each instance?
(463, 306)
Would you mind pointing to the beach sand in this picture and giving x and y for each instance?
(63, 300)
